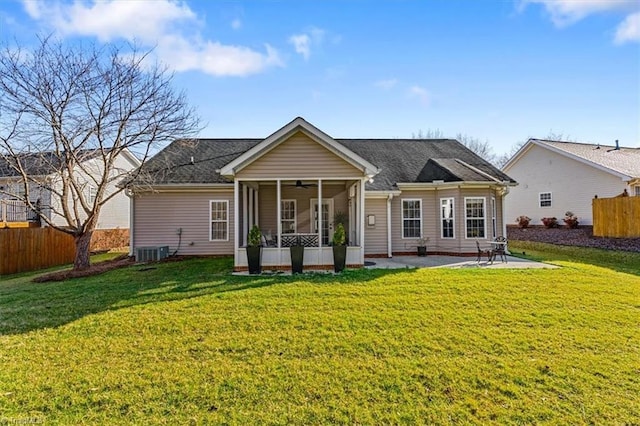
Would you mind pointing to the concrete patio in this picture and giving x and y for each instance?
(436, 261)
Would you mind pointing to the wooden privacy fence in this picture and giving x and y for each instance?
(616, 217)
(28, 249)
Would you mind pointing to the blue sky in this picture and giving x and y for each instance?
(501, 71)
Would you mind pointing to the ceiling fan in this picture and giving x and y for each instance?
(300, 185)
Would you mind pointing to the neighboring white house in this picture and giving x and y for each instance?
(42, 171)
(555, 177)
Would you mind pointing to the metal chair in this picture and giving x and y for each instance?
(481, 252)
(501, 249)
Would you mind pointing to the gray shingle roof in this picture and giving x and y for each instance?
(41, 163)
(408, 160)
(623, 160)
(400, 160)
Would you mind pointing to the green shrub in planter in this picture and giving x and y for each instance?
(339, 249)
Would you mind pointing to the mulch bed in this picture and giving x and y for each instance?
(94, 269)
(580, 237)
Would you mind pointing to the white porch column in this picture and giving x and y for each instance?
(361, 239)
(279, 212)
(256, 204)
(245, 214)
(319, 212)
(389, 241)
(236, 217)
(250, 208)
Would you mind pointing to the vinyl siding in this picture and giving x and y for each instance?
(431, 226)
(571, 183)
(375, 237)
(157, 216)
(299, 157)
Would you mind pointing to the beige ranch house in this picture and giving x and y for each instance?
(201, 197)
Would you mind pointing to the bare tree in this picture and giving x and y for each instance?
(68, 112)
(483, 149)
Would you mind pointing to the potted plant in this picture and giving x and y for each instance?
(571, 220)
(339, 248)
(297, 256)
(523, 221)
(550, 222)
(422, 246)
(254, 250)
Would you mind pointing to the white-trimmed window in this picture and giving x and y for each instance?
(219, 217)
(447, 218)
(494, 222)
(474, 217)
(638, 191)
(288, 216)
(411, 218)
(545, 199)
(90, 194)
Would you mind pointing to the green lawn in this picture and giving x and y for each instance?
(187, 343)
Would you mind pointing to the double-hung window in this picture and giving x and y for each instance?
(475, 217)
(90, 195)
(412, 218)
(638, 191)
(447, 217)
(288, 216)
(219, 212)
(545, 199)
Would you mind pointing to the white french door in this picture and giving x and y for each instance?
(327, 219)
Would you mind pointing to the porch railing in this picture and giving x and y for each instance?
(16, 211)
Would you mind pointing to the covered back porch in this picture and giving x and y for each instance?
(292, 211)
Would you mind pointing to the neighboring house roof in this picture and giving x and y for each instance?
(399, 161)
(623, 162)
(46, 163)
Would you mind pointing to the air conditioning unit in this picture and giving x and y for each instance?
(151, 254)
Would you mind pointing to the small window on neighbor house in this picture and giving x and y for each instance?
(411, 218)
(90, 196)
(288, 218)
(447, 217)
(219, 220)
(545, 199)
(637, 191)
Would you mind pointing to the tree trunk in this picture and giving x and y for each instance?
(83, 242)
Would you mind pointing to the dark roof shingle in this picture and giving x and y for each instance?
(400, 160)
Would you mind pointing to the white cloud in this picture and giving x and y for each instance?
(567, 12)
(629, 29)
(164, 26)
(386, 84)
(236, 24)
(303, 42)
(420, 93)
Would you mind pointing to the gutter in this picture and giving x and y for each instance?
(389, 246)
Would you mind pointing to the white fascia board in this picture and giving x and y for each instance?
(451, 185)
(524, 148)
(381, 194)
(183, 187)
(310, 130)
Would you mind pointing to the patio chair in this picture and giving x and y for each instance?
(482, 252)
(501, 249)
(268, 241)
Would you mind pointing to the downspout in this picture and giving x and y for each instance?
(130, 194)
(503, 194)
(389, 247)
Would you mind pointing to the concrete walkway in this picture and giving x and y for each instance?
(434, 261)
